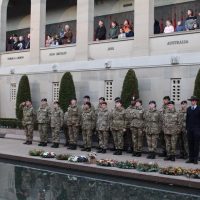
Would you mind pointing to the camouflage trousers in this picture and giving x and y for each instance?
(183, 142)
(28, 129)
(73, 132)
(55, 134)
(162, 141)
(171, 141)
(87, 138)
(103, 139)
(152, 141)
(137, 138)
(118, 137)
(43, 131)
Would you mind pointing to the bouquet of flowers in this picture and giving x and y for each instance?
(63, 157)
(192, 173)
(107, 163)
(48, 155)
(127, 164)
(92, 158)
(174, 171)
(148, 167)
(36, 152)
(79, 159)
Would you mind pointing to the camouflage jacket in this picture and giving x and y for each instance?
(88, 119)
(136, 117)
(152, 121)
(102, 123)
(171, 122)
(29, 116)
(73, 117)
(118, 119)
(128, 115)
(182, 117)
(57, 117)
(44, 115)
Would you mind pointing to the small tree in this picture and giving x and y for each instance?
(197, 85)
(130, 88)
(23, 94)
(67, 91)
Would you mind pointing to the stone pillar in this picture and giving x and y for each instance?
(38, 29)
(85, 28)
(143, 25)
(3, 24)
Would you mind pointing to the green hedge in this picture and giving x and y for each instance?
(12, 123)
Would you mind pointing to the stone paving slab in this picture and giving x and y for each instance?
(15, 150)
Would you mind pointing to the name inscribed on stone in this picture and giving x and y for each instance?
(178, 42)
(15, 58)
(58, 53)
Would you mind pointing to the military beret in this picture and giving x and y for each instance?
(56, 102)
(171, 102)
(183, 102)
(166, 98)
(86, 97)
(102, 98)
(117, 99)
(152, 102)
(44, 99)
(138, 100)
(74, 99)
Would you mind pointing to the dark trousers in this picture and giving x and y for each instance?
(193, 143)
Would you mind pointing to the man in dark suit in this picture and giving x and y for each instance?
(193, 130)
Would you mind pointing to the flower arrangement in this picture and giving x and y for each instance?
(36, 152)
(148, 167)
(174, 171)
(48, 155)
(192, 173)
(63, 157)
(79, 159)
(107, 163)
(92, 158)
(127, 164)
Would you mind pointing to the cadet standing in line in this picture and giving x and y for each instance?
(65, 129)
(56, 124)
(73, 121)
(43, 118)
(87, 124)
(102, 127)
(137, 128)
(166, 100)
(182, 139)
(118, 126)
(171, 127)
(87, 99)
(28, 120)
(152, 121)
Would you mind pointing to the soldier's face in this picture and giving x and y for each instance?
(165, 101)
(152, 105)
(170, 106)
(73, 102)
(86, 107)
(28, 103)
(100, 101)
(194, 103)
(85, 100)
(118, 105)
(43, 103)
(103, 106)
(183, 105)
(55, 105)
(138, 104)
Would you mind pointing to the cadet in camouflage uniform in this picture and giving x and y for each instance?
(182, 139)
(118, 126)
(102, 127)
(43, 118)
(29, 117)
(171, 127)
(152, 121)
(166, 100)
(137, 127)
(56, 124)
(85, 100)
(87, 125)
(73, 120)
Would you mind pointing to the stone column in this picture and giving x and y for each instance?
(85, 28)
(143, 25)
(38, 29)
(3, 24)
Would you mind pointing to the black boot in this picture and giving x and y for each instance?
(138, 154)
(153, 156)
(88, 149)
(41, 144)
(103, 150)
(173, 158)
(149, 155)
(167, 158)
(116, 152)
(25, 142)
(120, 152)
(69, 147)
(29, 142)
(73, 147)
(134, 153)
(84, 149)
(44, 144)
(53, 145)
(100, 150)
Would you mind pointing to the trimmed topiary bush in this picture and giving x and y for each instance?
(23, 94)
(197, 86)
(67, 91)
(130, 88)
